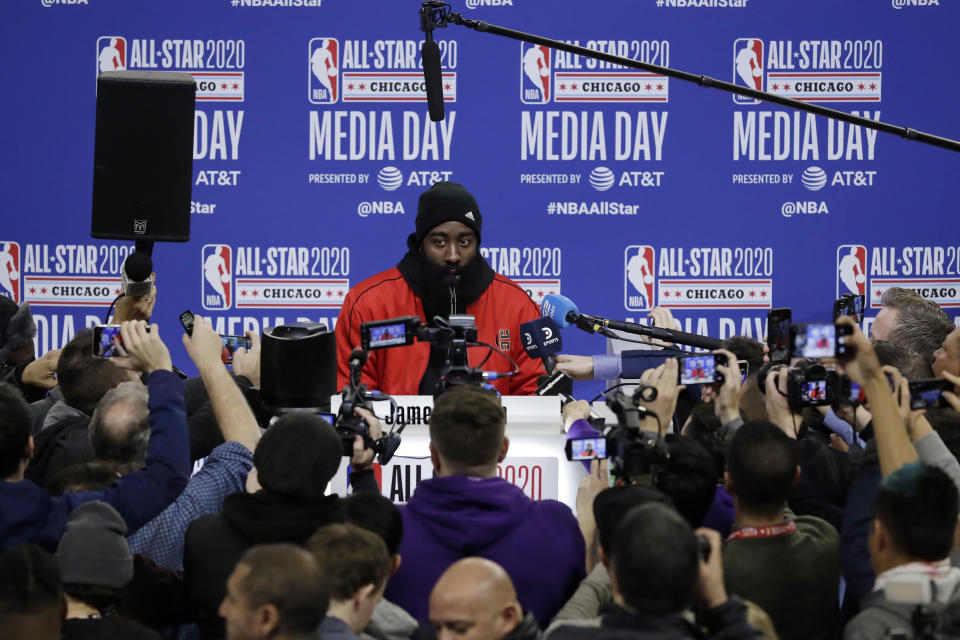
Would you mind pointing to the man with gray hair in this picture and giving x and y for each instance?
(120, 426)
(909, 320)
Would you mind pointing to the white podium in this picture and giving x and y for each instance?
(535, 461)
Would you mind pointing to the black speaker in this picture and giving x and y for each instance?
(143, 156)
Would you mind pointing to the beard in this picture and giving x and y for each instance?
(432, 282)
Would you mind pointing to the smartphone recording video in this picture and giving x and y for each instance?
(778, 334)
(107, 341)
(813, 340)
(700, 369)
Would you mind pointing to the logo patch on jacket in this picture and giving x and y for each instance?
(503, 340)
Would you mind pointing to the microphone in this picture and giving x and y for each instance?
(136, 274)
(432, 77)
(564, 312)
(358, 357)
(541, 339)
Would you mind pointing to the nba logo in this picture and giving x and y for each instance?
(111, 54)
(638, 278)
(324, 70)
(10, 270)
(851, 269)
(217, 277)
(748, 67)
(535, 74)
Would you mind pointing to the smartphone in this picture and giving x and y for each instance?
(230, 343)
(700, 369)
(230, 346)
(586, 448)
(926, 393)
(819, 340)
(744, 370)
(849, 305)
(107, 341)
(388, 333)
(778, 334)
(186, 320)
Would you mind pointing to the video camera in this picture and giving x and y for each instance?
(809, 384)
(633, 452)
(349, 425)
(453, 336)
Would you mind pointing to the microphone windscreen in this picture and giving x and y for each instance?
(541, 338)
(433, 79)
(358, 357)
(556, 307)
(138, 266)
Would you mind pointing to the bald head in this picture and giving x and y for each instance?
(474, 599)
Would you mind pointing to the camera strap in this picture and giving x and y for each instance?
(763, 532)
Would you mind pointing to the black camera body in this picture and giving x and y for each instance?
(633, 452)
(349, 425)
(809, 384)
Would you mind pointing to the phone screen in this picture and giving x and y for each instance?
(587, 448)
(814, 340)
(698, 369)
(230, 346)
(778, 334)
(107, 341)
(926, 393)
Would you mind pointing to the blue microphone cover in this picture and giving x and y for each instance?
(556, 307)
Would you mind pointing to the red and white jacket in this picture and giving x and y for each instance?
(498, 313)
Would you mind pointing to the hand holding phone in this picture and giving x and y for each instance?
(203, 345)
(701, 369)
(229, 344)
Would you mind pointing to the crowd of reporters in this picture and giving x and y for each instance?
(137, 505)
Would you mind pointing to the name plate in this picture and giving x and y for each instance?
(526, 415)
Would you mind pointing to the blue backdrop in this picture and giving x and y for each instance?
(619, 189)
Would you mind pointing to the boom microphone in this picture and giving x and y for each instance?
(541, 339)
(432, 77)
(564, 312)
(136, 274)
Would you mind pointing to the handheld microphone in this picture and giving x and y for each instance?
(541, 339)
(432, 77)
(136, 274)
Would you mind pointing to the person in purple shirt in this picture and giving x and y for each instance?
(30, 514)
(466, 510)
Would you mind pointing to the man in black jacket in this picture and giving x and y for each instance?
(284, 502)
(658, 572)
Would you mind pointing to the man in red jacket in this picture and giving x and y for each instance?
(442, 273)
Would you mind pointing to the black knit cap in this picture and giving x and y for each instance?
(297, 456)
(443, 202)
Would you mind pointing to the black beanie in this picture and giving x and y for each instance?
(298, 456)
(443, 202)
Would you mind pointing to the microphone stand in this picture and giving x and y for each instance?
(436, 14)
